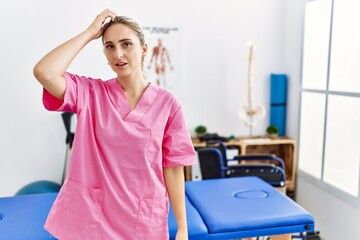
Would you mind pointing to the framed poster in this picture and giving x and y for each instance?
(162, 63)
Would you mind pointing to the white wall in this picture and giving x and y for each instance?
(214, 59)
(335, 218)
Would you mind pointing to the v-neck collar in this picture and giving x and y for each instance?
(123, 105)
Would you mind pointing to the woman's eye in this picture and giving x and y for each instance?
(127, 44)
(109, 46)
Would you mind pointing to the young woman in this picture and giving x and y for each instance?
(130, 146)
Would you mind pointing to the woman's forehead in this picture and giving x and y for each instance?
(119, 31)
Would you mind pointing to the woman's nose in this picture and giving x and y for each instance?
(119, 53)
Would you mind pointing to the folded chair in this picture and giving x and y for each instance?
(265, 166)
(214, 164)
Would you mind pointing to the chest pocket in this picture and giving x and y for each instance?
(154, 152)
(143, 144)
(130, 142)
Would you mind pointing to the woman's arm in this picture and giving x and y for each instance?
(174, 180)
(49, 71)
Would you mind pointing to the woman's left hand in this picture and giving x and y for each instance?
(181, 235)
(96, 28)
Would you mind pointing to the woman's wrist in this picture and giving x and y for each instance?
(182, 227)
(88, 35)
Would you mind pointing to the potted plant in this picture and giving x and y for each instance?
(200, 130)
(272, 131)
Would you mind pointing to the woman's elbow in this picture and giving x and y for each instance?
(55, 85)
(38, 72)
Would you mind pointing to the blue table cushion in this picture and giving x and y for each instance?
(216, 209)
(246, 203)
(23, 217)
(196, 226)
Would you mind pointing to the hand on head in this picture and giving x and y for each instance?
(96, 28)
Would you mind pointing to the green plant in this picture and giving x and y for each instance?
(272, 129)
(201, 129)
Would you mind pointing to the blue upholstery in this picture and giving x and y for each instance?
(246, 207)
(196, 226)
(224, 208)
(23, 217)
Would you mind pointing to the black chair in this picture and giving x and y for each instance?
(266, 166)
(214, 164)
(211, 163)
(222, 148)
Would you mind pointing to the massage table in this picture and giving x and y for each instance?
(229, 208)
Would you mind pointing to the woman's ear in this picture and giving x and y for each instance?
(145, 47)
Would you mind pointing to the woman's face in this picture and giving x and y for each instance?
(123, 50)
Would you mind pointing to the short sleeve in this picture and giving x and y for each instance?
(74, 97)
(178, 149)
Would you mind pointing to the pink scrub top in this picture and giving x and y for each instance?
(115, 187)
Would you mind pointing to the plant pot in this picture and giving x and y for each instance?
(273, 135)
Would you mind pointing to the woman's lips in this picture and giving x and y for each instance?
(120, 64)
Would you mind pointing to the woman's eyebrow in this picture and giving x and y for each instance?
(121, 40)
(125, 39)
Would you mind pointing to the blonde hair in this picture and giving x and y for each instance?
(131, 24)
